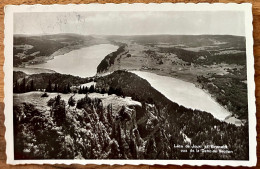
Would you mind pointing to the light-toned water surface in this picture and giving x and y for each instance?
(82, 62)
(185, 94)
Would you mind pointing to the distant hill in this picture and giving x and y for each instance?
(189, 40)
(34, 49)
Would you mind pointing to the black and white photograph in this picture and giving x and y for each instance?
(131, 85)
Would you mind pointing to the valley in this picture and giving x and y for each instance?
(33, 50)
(214, 63)
(130, 97)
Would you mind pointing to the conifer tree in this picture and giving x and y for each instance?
(65, 90)
(114, 152)
(150, 149)
(71, 101)
(16, 87)
(68, 88)
(32, 88)
(23, 86)
(92, 89)
(49, 89)
(109, 114)
(55, 88)
(86, 90)
(80, 90)
(27, 89)
(103, 91)
(120, 140)
(111, 90)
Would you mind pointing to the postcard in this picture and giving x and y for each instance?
(130, 84)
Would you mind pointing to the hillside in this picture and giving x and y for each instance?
(175, 116)
(106, 126)
(37, 49)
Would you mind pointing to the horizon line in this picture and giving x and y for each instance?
(25, 34)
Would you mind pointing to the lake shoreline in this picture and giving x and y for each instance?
(91, 56)
(229, 118)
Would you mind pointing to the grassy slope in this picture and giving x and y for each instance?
(41, 102)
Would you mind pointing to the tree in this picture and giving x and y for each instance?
(32, 88)
(109, 114)
(57, 109)
(103, 91)
(16, 87)
(45, 95)
(111, 90)
(120, 140)
(27, 88)
(119, 92)
(150, 149)
(50, 103)
(23, 86)
(55, 88)
(65, 90)
(68, 88)
(114, 150)
(48, 88)
(102, 117)
(133, 148)
(71, 101)
(83, 89)
(82, 102)
(86, 90)
(80, 90)
(92, 89)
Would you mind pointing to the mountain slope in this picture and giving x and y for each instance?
(101, 126)
(174, 118)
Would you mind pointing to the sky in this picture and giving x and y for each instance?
(131, 23)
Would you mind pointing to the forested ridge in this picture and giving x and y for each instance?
(23, 82)
(110, 59)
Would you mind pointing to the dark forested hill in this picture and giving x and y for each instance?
(42, 80)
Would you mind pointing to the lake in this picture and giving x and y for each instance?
(81, 62)
(187, 95)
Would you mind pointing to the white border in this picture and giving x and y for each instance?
(8, 69)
